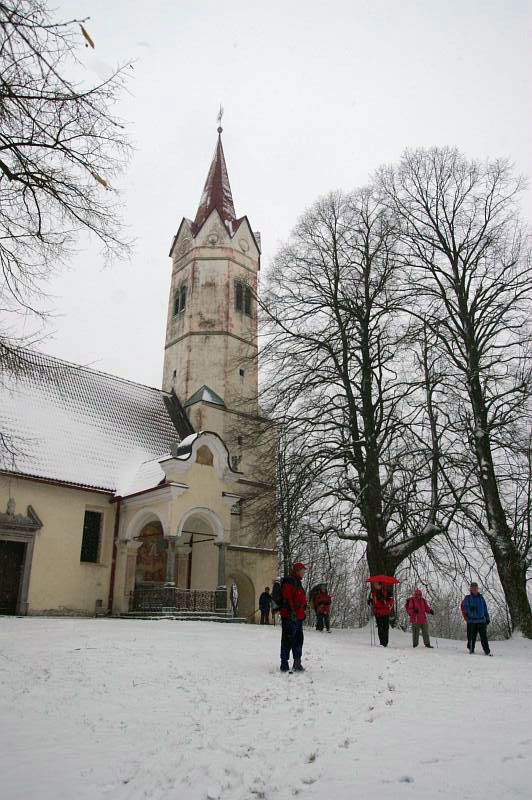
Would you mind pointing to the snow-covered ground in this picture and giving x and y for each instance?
(189, 711)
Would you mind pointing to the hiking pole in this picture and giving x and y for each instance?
(371, 631)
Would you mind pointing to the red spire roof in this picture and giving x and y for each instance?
(217, 192)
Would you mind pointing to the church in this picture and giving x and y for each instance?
(123, 499)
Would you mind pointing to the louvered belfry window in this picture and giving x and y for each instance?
(243, 298)
(247, 301)
(183, 298)
(239, 292)
(90, 545)
(180, 299)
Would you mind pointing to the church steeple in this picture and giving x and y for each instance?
(217, 192)
(211, 333)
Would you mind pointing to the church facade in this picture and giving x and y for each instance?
(123, 498)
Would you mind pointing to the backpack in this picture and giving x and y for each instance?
(277, 592)
(276, 595)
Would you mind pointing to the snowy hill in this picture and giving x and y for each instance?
(189, 711)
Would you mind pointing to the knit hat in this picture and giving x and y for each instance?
(296, 566)
(418, 593)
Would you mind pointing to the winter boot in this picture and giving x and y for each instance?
(298, 666)
(284, 667)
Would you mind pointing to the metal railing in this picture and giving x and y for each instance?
(159, 597)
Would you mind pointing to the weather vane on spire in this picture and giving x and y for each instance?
(219, 118)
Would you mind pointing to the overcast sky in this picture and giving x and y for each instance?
(316, 96)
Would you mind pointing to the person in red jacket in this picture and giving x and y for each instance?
(292, 612)
(322, 606)
(381, 602)
(417, 609)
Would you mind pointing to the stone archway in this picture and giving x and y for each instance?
(151, 558)
(200, 537)
(143, 530)
(245, 592)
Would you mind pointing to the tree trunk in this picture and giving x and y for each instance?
(509, 561)
(512, 574)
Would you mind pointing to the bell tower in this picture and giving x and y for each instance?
(211, 333)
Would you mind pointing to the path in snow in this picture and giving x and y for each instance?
(129, 710)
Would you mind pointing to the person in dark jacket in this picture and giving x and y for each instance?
(276, 597)
(292, 613)
(381, 602)
(265, 604)
(476, 613)
(322, 606)
(468, 625)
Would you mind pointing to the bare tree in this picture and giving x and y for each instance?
(471, 271)
(61, 147)
(340, 372)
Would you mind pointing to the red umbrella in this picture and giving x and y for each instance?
(386, 579)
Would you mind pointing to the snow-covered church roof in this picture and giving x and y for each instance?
(68, 423)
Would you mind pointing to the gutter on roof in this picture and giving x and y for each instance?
(56, 482)
(163, 485)
(118, 497)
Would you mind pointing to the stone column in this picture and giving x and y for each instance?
(170, 561)
(124, 549)
(221, 589)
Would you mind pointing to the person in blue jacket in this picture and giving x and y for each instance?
(476, 614)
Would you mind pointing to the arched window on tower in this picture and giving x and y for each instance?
(180, 299)
(247, 301)
(242, 298)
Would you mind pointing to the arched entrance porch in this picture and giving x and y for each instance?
(181, 572)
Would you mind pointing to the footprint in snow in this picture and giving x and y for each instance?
(406, 779)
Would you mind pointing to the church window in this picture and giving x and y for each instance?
(247, 301)
(183, 298)
(180, 300)
(239, 299)
(242, 298)
(90, 544)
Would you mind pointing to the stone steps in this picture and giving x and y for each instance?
(198, 616)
